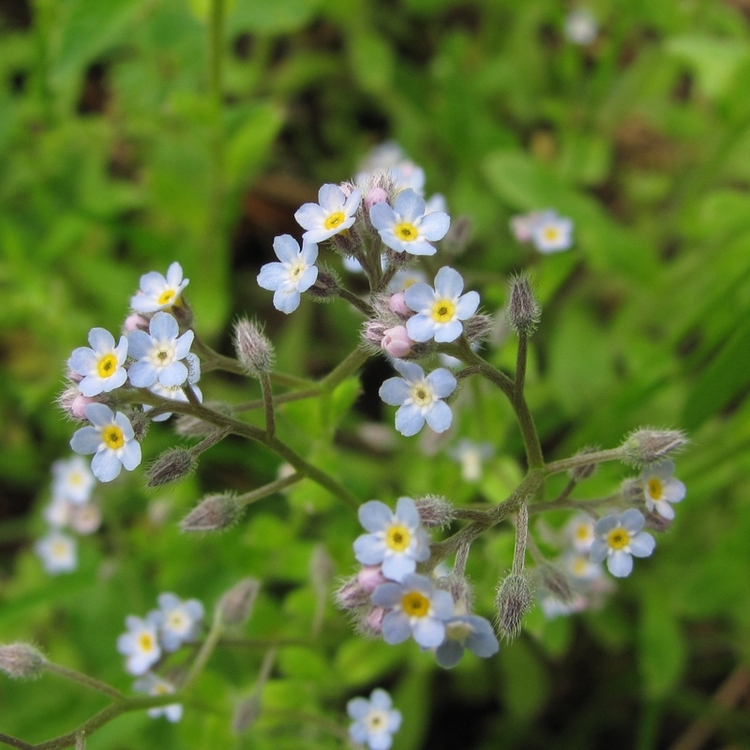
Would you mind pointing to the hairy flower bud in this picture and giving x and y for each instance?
(74, 403)
(370, 624)
(435, 512)
(236, 606)
(396, 342)
(513, 601)
(458, 236)
(555, 581)
(351, 595)
(523, 311)
(21, 661)
(326, 286)
(213, 513)
(246, 713)
(579, 473)
(646, 446)
(460, 589)
(478, 327)
(170, 466)
(254, 351)
(397, 304)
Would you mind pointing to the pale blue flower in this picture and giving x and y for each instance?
(294, 274)
(140, 644)
(660, 488)
(471, 455)
(334, 213)
(619, 538)
(374, 720)
(111, 438)
(551, 233)
(72, 480)
(101, 366)
(153, 685)
(397, 540)
(440, 311)
(58, 552)
(178, 621)
(462, 632)
(158, 292)
(581, 26)
(419, 398)
(406, 227)
(416, 608)
(159, 353)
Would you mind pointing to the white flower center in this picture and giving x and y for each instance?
(376, 720)
(422, 395)
(296, 270)
(162, 354)
(458, 631)
(177, 621)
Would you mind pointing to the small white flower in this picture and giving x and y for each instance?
(618, 539)
(86, 518)
(419, 398)
(140, 644)
(57, 552)
(580, 531)
(551, 233)
(72, 479)
(581, 26)
(334, 213)
(295, 273)
(440, 311)
(179, 621)
(660, 488)
(374, 720)
(111, 438)
(101, 366)
(471, 455)
(58, 511)
(406, 227)
(153, 685)
(158, 292)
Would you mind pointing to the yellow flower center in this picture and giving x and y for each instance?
(655, 488)
(406, 232)
(458, 631)
(443, 311)
(107, 366)
(398, 538)
(161, 688)
(421, 395)
(166, 297)
(146, 642)
(579, 566)
(176, 621)
(75, 478)
(376, 720)
(415, 604)
(296, 270)
(551, 234)
(334, 220)
(113, 437)
(583, 532)
(618, 538)
(60, 549)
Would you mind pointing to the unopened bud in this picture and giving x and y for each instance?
(647, 446)
(397, 304)
(140, 422)
(213, 513)
(513, 601)
(374, 331)
(655, 521)
(74, 403)
(236, 606)
(458, 236)
(21, 661)
(579, 473)
(135, 322)
(478, 327)
(370, 577)
(555, 581)
(435, 512)
(370, 624)
(374, 196)
(460, 589)
(170, 466)
(396, 342)
(246, 713)
(326, 286)
(351, 595)
(523, 311)
(254, 351)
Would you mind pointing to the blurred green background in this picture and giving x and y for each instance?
(131, 137)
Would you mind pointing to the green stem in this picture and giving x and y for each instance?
(562, 503)
(6, 739)
(343, 370)
(83, 679)
(356, 301)
(584, 459)
(522, 535)
(265, 387)
(269, 489)
(207, 648)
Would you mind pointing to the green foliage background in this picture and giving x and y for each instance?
(123, 148)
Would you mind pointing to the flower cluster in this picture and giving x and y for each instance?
(174, 623)
(152, 354)
(375, 720)
(546, 230)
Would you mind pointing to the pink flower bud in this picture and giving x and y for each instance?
(397, 304)
(346, 188)
(374, 620)
(78, 405)
(135, 322)
(370, 577)
(376, 195)
(396, 342)
(374, 331)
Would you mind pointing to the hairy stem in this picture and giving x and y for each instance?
(83, 679)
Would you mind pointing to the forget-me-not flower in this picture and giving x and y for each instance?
(397, 540)
(179, 621)
(439, 310)
(153, 685)
(72, 479)
(159, 292)
(581, 26)
(619, 538)
(416, 608)
(551, 233)
(159, 353)
(140, 644)
(333, 213)
(462, 632)
(374, 720)
(580, 531)
(419, 398)
(661, 488)
(294, 273)
(58, 552)
(101, 366)
(111, 438)
(406, 227)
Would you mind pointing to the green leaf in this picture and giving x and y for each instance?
(274, 17)
(661, 646)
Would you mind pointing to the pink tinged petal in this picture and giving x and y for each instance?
(420, 297)
(99, 414)
(421, 327)
(394, 391)
(642, 544)
(429, 632)
(409, 205)
(446, 332)
(130, 455)
(375, 516)
(467, 305)
(382, 216)
(435, 226)
(409, 420)
(395, 628)
(620, 564)
(311, 216)
(105, 465)
(286, 300)
(101, 340)
(86, 440)
(368, 549)
(448, 283)
(272, 276)
(286, 248)
(307, 279)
